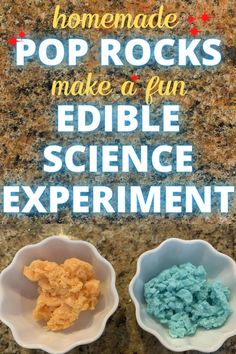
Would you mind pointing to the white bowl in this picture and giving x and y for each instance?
(18, 297)
(176, 252)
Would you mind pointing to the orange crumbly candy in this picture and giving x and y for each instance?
(64, 291)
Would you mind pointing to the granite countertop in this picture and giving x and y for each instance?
(27, 117)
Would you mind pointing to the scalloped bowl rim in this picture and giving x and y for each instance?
(105, 319)
(222, 339)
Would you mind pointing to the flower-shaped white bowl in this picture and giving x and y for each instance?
(18, 297)
(176, 252)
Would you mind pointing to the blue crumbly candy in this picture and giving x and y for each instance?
(182, 299)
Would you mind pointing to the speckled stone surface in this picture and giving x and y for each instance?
(27, 124)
